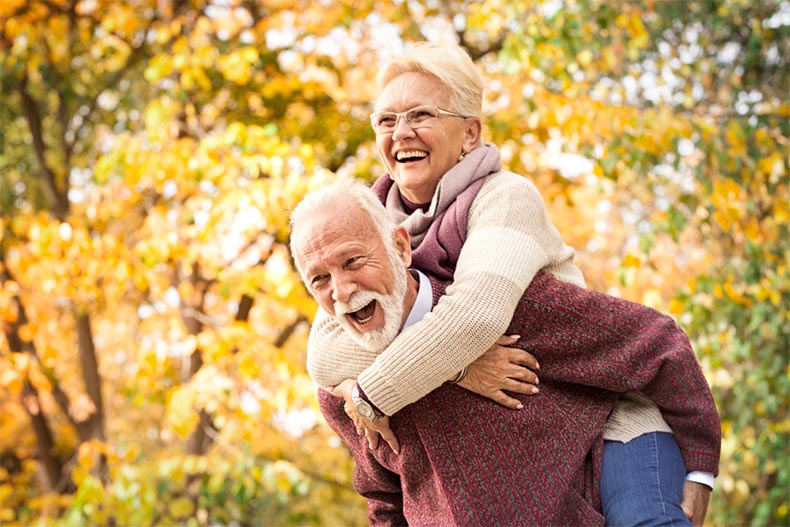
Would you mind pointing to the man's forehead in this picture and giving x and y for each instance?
(346, 224)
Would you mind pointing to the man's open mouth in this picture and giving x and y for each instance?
(363, 316)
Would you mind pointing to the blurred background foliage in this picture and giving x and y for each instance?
(153, 344)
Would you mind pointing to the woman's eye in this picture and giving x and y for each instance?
(420, 115)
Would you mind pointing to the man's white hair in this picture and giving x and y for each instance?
(331, 198)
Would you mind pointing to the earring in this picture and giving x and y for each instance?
(461, 156)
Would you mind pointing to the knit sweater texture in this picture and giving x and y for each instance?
(490, 231)
(509, 238)
(465, 460)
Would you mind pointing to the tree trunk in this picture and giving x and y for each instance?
(45, 444)
(90, 373)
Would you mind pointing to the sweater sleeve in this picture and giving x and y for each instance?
(509, 239)
(589, 338)
(332, 355)
(380, 487)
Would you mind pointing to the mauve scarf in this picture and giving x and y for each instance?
(453, 196)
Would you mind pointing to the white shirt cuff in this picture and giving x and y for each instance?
(705, 478)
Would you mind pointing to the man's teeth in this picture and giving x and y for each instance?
(364, 314)
(408, 154)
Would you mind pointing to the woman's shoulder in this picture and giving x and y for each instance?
(506, 184)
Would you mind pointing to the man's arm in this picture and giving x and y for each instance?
(380, 487)
(695, 501)
(593, 339)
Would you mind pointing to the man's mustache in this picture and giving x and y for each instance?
(357, 301)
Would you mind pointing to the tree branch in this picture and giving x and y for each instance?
(57, 197)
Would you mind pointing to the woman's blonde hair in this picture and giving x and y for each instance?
(450, 64)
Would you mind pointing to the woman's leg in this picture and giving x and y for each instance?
(642, 482)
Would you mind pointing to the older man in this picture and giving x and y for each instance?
(544, 461)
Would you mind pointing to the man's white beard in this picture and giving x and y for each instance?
(391, 305)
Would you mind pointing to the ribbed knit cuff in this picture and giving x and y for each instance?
(364, 396)
(380, 392)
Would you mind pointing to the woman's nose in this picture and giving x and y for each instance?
(402, 128)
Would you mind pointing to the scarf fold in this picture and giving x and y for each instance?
(477, 164)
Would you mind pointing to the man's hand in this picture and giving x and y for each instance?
(371, 429)
(503, 368)
(695, 501)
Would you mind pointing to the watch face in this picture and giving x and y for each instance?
(365, 410)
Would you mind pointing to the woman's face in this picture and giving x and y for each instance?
(417, 159)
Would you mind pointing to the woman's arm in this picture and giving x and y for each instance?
(332, 355)
(510, 238)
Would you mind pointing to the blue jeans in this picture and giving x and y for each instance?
(642, 482)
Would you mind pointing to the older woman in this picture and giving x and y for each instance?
(440, 173)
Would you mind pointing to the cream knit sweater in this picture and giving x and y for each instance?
(509, 239)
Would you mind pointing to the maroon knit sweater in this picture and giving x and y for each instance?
(466, 460)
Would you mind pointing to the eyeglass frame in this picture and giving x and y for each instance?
(419, 126)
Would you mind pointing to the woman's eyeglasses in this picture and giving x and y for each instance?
(424, 116)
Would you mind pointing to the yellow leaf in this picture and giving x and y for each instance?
(692, 285)
(584, 57)
(160, 67)
(86, 457)
(12, 381)
(181, 508)
(676, 307)
(27, 332)
(180, 412)
(632, 260)
(718, 292)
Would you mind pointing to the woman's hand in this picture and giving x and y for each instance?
(503, 368)
(371, 429)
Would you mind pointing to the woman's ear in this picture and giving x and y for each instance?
(402, 241)
(472, 133)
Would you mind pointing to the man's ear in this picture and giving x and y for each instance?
(400, 237)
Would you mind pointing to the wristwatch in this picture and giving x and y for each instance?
(364, 408)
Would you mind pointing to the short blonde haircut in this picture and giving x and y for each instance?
(450, 64)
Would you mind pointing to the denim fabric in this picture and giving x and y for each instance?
(642, 482)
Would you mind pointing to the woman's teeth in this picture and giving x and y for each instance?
(408, 155)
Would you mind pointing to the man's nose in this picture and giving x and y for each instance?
(342, 289)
